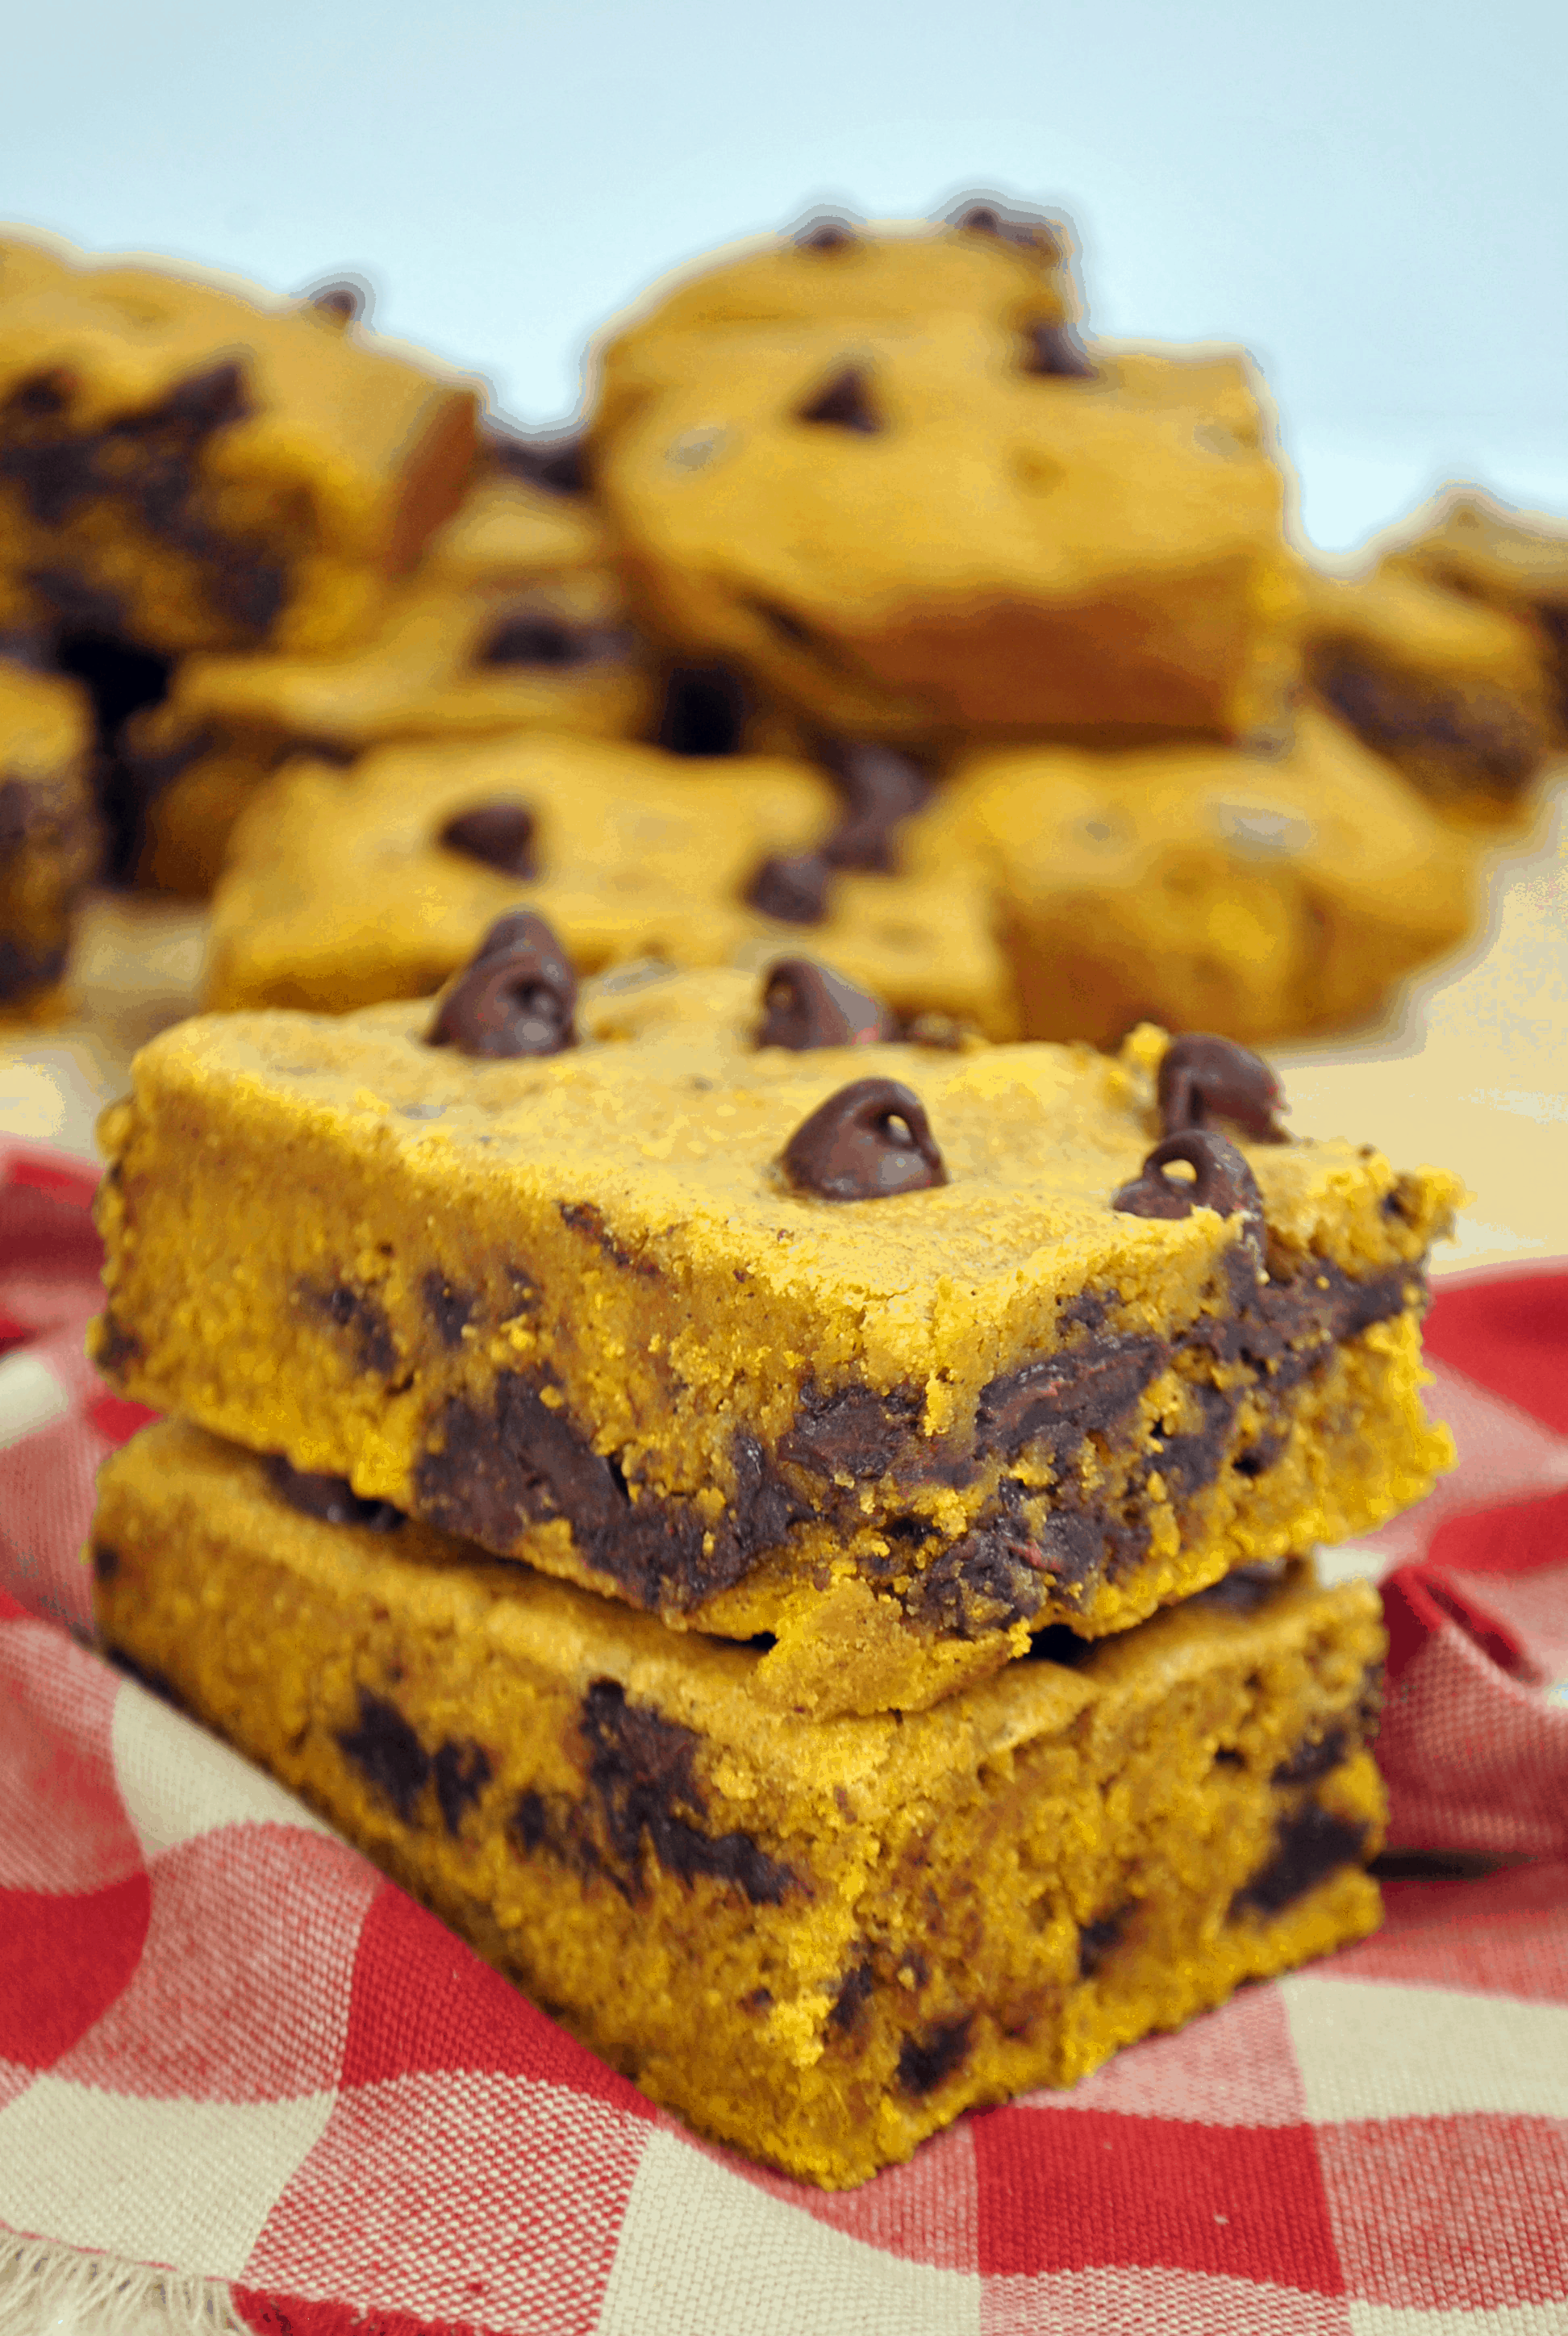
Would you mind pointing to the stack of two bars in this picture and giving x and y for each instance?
(854, 1405)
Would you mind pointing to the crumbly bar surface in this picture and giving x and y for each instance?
(49, 831)
(919, 529)
(817, 1943)
(340, 893)
(1266, 894)
(1452, 693)
(571, 1307)
(206, 466)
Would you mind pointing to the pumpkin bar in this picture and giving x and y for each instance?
(817, 1943)
(894, 1353)
(200, 466)
(50, 838)
(345, 887)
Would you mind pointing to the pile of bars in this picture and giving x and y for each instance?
(793, 1540)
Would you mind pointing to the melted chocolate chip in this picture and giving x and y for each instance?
(704, 713)
(1314, 1757)
(1203, 1078)
(1097, 1939)
(845, 404)
(805, 1006)
(1477, 732)
(388, 1753)
(448, 1308)
(331, 1498)
(1054, 349)
(641, 1770)
(530, 635)
(1308, 1846)
(357, 1310)
(881, 787)
(499, 834)
(855, 1994)
(869, 1142)
(854, 1432)
(791, 887)
(1221, 1181)
(461, 1770)
(994, 1577)
(516, 997)
(1051, 1405)
(925, 2060)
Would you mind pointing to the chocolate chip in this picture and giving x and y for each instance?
(1308, 1847)
(1053, 348)
(203, 402)
(704, 712)
(542, 637)
(345, 298)
(880, 787)
(925, 2060)
(829, 234)
(517, 996)
(388, 1752)
(448, 1309)
(641, 1770)
(461, 1770)
(846, 402)
(854, 1991)
(1203, 1078)
(501, 833)
(1221, 1181)
(869, 1142)
(805, 1005)
(331, 1498)
(791, 887)
(1314, 1757)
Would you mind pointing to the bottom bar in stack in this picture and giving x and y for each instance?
(819, 1943)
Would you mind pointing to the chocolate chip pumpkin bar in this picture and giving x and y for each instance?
(204, 466)
(818, 1944)
(894, 1353)
(50, 839)
(345, 887)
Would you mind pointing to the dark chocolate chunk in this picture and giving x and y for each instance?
(356, 1309)
(845, 403)
(558, 461)
(448, 1308)
(854, 1432)
(791, 887)
(1221, 1181)
(1314, 1757)
(331, 1498)
(881, 787)
(1308, 1846)
(385, 1747)
(530, 1822)
(925, 2060)
(1203, 1078)
(992, 1578)
(1052, 1405)
(532, 633)
(704, 712)
(1097, 1939)
(854, 1992)
(805, 1006)
(516, 997)
(870, 1142)
(1054, 349)
(641, 1770)
(461, 1770)
(501, 833)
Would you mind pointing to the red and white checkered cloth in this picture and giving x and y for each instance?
(227, 2047)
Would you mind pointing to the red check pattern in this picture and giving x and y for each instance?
(229, 2048)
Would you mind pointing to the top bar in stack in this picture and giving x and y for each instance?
(893, 1352)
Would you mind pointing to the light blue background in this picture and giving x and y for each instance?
(1374, 198)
